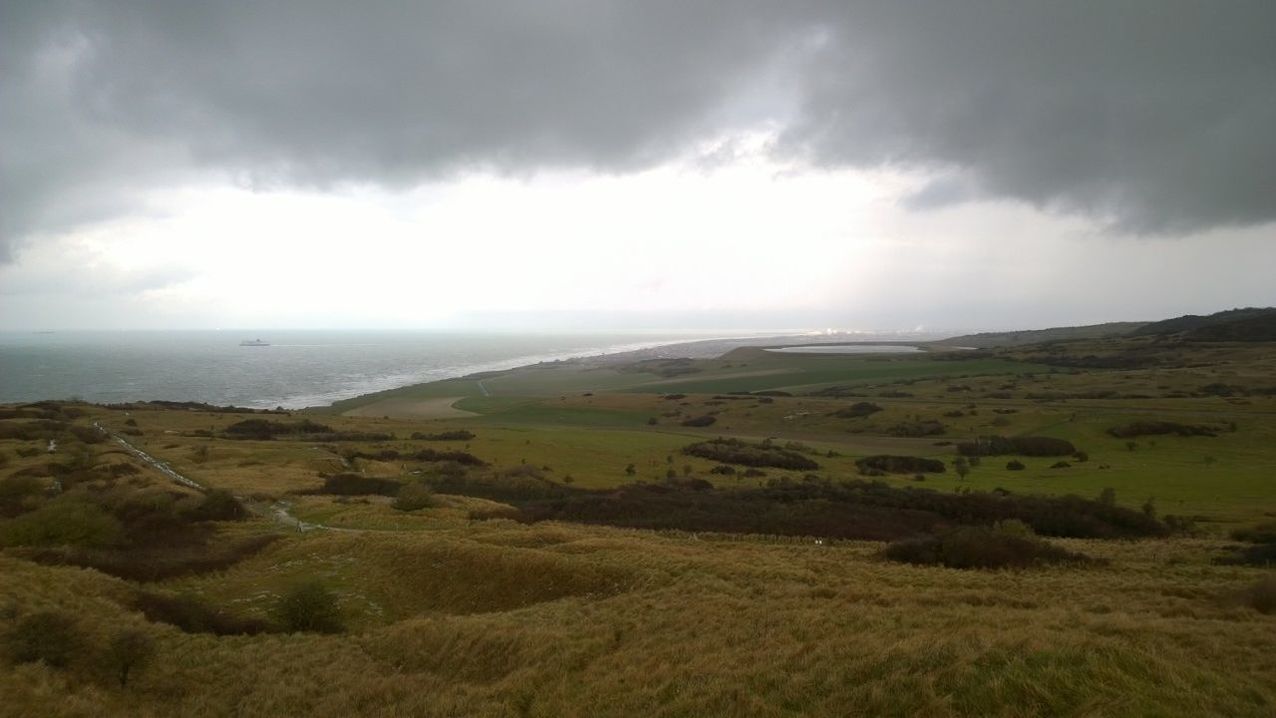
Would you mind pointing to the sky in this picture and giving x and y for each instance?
(634, 166)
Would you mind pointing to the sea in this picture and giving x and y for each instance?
(299, 368)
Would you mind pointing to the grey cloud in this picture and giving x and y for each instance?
(1154, 115)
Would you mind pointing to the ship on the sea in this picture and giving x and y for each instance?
(254, 343)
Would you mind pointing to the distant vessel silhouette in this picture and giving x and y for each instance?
(254, 343)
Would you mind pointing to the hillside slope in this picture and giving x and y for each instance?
(1251, 324)
(990, 340)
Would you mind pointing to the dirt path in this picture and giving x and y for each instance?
(280, 511)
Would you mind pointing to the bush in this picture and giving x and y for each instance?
(264, 429)
(66, 521)
(1262, 533)
(1015, 465)
(978, 547)
(459, 457)
(1013, 527)
(309, 606)
(705, 420)
(900, 464)
(458, 435)
(218, 505)
(1263, 554)
(1262, 595)
(929, 427)
(1017, 445)
(857, 410)
(413, 497)
(735, 451)
(1154, 428)
(848, 509)
(48, 636)
(192, 615)
(17, 493)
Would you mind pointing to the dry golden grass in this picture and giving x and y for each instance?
(497, 619)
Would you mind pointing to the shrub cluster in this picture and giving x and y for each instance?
(704, 420)
(461, 457)
(414, 497)
(1261, 553)
(506, 488)
(737, 451)
(48, 636)
(264, 429)
(193, 615)
(1262, 595)
(978, 547)
(457, 435)
(857, 410)
(925, 427)
(886, 463)
(850, 509)
(1016, 445)
(43, 430)
(191, 406)
(1154, 428)
(311, 607)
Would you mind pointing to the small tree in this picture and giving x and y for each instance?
(630, 470)
(128, 649)
(962, 467)
(309, 606)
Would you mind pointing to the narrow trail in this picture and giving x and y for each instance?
(280, 511)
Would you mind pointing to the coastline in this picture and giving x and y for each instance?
(399, 402)
(621, 354)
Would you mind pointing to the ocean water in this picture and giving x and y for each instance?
(299, 368)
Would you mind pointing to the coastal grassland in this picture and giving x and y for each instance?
(456, 609)
(754, 369)
(745, 369)
(1225, 478)
(497, 618)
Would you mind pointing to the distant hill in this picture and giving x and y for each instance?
(990, 340)
(1250, 324)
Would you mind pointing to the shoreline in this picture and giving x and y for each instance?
(690, 349)
(321, 401)
(625, 353)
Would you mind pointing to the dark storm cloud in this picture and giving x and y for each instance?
(1154, 114)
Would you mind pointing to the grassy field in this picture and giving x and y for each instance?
(456, 609)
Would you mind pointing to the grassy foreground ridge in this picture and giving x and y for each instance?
(1081, 523)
